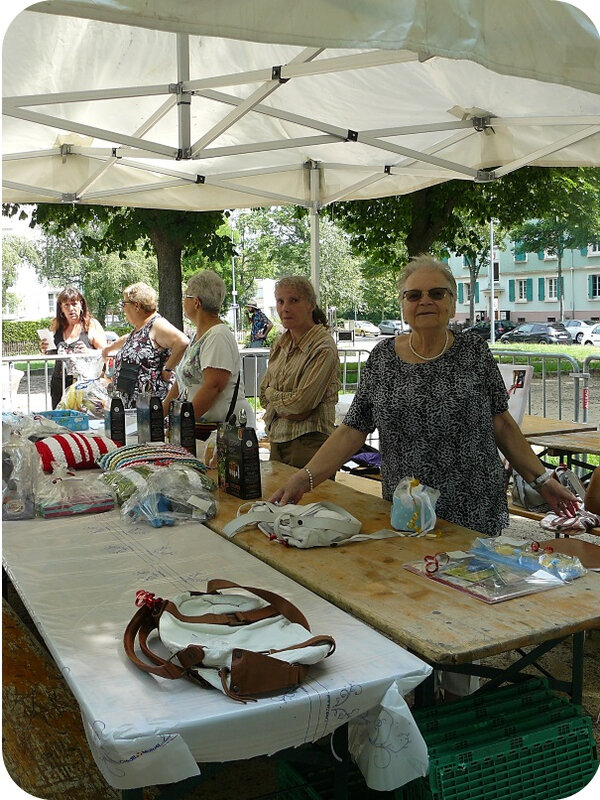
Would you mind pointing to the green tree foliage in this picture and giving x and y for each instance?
(433, 217)
(164, 233)
(99, 276)
(16, 250)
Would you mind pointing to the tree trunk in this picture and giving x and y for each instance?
(168, 253)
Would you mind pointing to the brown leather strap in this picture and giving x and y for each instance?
(233, 618)
(283, 606)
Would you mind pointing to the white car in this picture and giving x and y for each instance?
(579, 328)
(364, 328)
(593, 336)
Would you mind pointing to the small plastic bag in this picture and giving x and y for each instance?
(63, 493)
(413, 507)
(209, 455)
(177, 493)
(20, 468)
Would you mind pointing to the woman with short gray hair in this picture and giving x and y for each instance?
(210, 371)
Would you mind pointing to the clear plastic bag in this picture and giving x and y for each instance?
(20, 469)
(529, 558)
(63, 493)
(172, 494)
(89, 395)
(413, 507)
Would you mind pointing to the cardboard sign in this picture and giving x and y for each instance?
(238, 462)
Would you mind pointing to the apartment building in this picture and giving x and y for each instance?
(526, 286)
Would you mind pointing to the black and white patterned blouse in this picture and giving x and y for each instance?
(435, 423)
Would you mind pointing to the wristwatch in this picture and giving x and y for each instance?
(541, 479)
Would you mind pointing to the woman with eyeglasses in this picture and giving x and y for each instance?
(440, 405)
(75, 331)
(210, 370)
(145, 358)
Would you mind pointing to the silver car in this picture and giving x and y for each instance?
(393, 327)
(579, 328)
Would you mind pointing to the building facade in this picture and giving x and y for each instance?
(526, 287)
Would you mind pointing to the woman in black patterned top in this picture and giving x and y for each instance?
(147, 356)
(441, 408)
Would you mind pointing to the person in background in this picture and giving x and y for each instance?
(441, 408)
(146, 358)
(210, 369)
(592, 493)
(260, 324)
(299, 390)
(75, 331)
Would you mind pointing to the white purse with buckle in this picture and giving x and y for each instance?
(313, 525)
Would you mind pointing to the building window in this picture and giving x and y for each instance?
(520, 257)
(594, 287)
(552, 288)
(522, 289)
(52, 303)
(549, 256)
(594, 249)
(467, 293)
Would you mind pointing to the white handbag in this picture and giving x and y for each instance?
(249, 643)
(313, 525)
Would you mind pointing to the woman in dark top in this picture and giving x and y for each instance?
(75, 331)
(146, 357)
(441, 408)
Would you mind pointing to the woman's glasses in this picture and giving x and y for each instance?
(437, 293)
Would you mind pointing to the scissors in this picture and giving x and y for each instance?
(434, 562)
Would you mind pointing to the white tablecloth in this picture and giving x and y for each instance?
(78, 577)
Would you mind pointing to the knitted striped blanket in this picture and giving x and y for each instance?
(160, 454)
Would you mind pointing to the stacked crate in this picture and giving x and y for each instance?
(518, 742)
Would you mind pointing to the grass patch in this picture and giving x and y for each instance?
(576, 351)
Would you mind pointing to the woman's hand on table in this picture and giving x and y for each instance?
(562, 501)
(292, 491)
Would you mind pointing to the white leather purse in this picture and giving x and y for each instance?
(313, 525)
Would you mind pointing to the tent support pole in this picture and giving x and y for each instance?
(184, 98)
(315, 245)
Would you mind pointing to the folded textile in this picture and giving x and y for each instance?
(75, 450)
(160, 454)
(583, 521)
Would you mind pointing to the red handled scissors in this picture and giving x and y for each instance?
(434, 562)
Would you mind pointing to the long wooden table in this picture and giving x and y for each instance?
(572, 447)
(533, 425)
(446, 627)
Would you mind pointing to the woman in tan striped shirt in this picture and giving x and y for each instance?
(300, 387)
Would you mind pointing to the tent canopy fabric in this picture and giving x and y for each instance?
(201, 105)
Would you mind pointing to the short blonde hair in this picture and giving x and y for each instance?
(142, 294)
(425, 261)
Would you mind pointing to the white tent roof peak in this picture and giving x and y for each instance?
(201, 105)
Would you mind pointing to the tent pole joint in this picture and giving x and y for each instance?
(276, 74)
(352, 136)
(200, 179)
(69, 197)
(387, 169)
(485, 176)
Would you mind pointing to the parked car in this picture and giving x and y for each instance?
(538, 332)
(364, 328)
(393, 326)
(501, 326)
(593, 336)
(578, 328)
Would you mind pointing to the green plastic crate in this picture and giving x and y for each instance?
(551, 763)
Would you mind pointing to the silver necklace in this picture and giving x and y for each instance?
(427, 358)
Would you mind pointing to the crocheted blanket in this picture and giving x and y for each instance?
(160, 454)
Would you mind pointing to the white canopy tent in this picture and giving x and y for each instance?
(201, 105)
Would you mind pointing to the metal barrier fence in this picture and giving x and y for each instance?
(33, 390)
